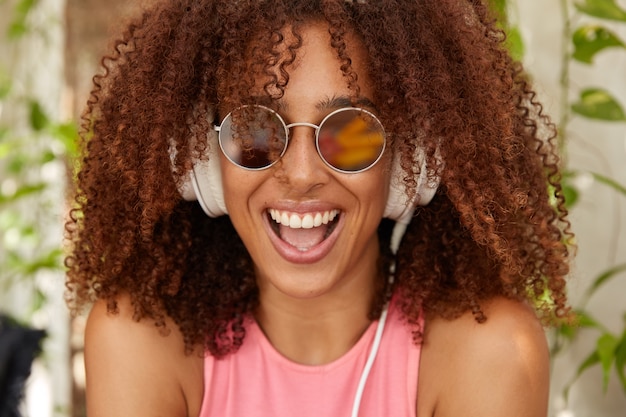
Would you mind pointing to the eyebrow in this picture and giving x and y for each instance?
(334, 102)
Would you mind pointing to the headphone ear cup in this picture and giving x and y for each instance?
(399, 206)
(204, 181)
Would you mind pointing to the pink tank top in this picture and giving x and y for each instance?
(257, 381)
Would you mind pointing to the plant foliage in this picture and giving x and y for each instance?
(585, 43)
(31, 145)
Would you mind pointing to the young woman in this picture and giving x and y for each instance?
(316, 208)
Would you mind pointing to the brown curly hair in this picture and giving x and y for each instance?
(442, 80)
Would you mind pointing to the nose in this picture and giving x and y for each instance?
(301, 167)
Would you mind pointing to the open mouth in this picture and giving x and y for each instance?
(303, 231)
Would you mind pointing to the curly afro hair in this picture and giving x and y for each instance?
(443, 81)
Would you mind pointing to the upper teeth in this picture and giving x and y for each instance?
(303, 221)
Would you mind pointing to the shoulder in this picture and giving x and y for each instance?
(499, 367)
(133, 368)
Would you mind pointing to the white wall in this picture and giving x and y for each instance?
(599, 218)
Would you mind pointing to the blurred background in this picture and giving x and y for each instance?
(574, 50)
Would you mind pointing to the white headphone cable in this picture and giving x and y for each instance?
(369, 363)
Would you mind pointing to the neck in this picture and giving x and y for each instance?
(315, 331)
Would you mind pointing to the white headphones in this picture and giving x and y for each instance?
(204, 184)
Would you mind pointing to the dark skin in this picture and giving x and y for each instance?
(439, 78)
(496, 368)
(467, 369)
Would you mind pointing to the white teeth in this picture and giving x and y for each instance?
(295, 222)
(306, 221)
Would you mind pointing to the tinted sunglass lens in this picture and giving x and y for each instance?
(351, 140)
(253, 137)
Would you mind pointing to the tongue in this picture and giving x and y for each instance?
(303, 239)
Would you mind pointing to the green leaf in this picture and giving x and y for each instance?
(585, 319)
(51, 260)
(19, 25)
(14, 260)
(515, 43)
(500, 9)
(620, 188)
(607, 344)
(596, 103)
(38, 118)
(590, 361)
(602, 279)
(25, 6)
(620, 360)
(67, 133)
(5, 85)
(568, 331)
(514, 40)
(610, 182)
(39, 300)
(591, 39)
(5, 150)
(23, 191)
(8, 219)
(17, 29)
(571, 195)
(17, 163)
(46, 156)
(604, 9)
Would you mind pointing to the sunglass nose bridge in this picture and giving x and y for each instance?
(302, 124)
(290, 125)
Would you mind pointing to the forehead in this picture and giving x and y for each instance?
(301, 57)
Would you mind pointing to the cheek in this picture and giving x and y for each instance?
(243, 191)
(237, 185)
(381, 178)
(382, 189)
(374, 186)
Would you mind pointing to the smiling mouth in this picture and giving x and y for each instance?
(303, 231)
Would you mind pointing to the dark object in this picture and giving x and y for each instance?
(18, 348)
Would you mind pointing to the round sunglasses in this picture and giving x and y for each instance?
(349, 139)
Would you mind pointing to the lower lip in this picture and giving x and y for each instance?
(296, 256)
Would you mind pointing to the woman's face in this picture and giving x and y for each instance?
(342, 251)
